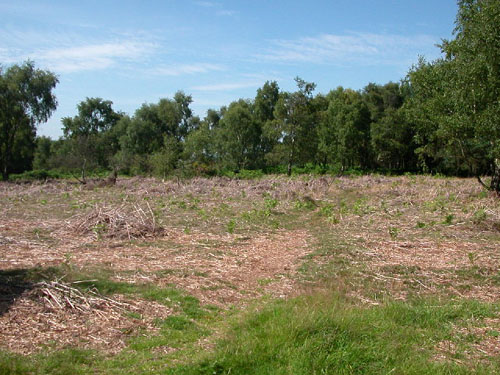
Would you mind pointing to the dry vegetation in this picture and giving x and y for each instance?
(227, 242)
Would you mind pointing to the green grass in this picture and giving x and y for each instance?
(328, 335)
(64, 362)
(316, 334)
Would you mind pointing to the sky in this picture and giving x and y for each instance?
(135, 52)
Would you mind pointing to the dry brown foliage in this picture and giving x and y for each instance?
(118, 222)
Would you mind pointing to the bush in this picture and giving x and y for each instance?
(40, 175)
(244, 174)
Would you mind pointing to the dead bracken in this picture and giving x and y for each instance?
(119, 222)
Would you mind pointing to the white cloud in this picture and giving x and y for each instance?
(227, 86)
(226, 12)
(207, 4)
(177, 70)
(91, 57)
(363, 48)
(68, 51)
(216, 5)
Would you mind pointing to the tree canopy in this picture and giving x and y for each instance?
(455, 100)
(26, 100)
(441, 118)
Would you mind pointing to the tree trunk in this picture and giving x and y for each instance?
(495, 178)
(290, 158)
(6, 162)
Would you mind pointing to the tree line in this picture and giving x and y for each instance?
(443, 117)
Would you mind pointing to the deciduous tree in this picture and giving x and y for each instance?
(26, 100)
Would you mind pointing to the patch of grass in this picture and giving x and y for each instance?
(69, 361)
(173, 297)
(448, 220)
(169, 296)
(393, 232)
(479, 216)
(327, 335)
(100, 280)
(175, 331)
(231, 225)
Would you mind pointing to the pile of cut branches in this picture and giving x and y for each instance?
(119, 222)
(59, 295)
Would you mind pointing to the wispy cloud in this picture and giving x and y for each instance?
(177, 70)
(207, 4)
(362, 48)
(72, 52)
(227, 86)
(220, 11)
(93, 56)
(225, 12)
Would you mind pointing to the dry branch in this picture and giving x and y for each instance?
(63, 296)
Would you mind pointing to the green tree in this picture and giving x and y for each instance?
(392, 141)
(238, 137)
(458, 96)
(265, 101)
(43, 153)
(187, 121)
(344, 133)
(199, 151)
(164, 161)
(146, 132)
(292, 133)
(26, 100)
(391, 135)
(88, 135)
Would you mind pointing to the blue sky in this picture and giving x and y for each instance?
(135, 52)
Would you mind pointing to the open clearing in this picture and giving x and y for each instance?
(154, 270)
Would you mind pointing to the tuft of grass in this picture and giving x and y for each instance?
(231, 225)
(393, 232)
(479, 216)
(448, 220)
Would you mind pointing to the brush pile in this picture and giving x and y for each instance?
(119, 222)
(59, 295)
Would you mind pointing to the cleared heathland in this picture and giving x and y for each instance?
(301, 275)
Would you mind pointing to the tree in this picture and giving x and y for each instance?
(292, 132)
(186, 123)
(95, 115)
(43, 153)
(199, 147)
(459, 94)
(392, 141)
(238, 137)
(88, 134)
(265, 101)
(26, 100)
(391, 135)
(344, 134)
(148, 130)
